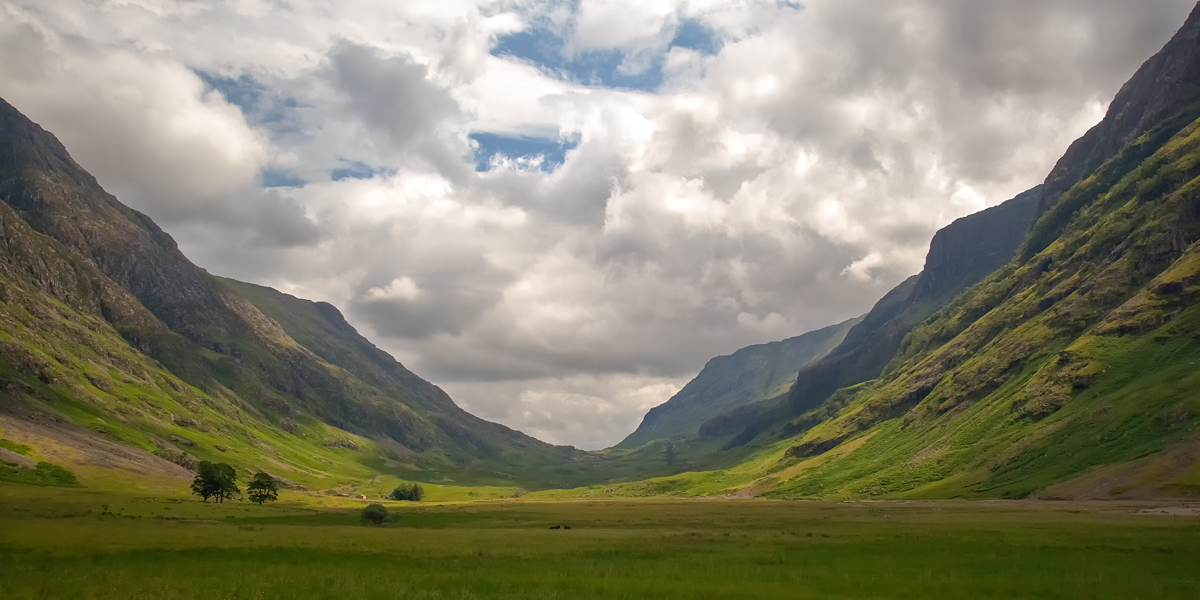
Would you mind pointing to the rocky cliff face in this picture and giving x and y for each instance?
(960, 255)
(1069, 371)
(1161, 93)
(58, 198)
(965, 251)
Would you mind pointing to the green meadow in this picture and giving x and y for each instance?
(81, 543)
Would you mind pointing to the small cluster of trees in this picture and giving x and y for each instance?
(219, 481)
(263, 489)
(412, 493)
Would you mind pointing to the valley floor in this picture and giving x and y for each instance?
(77, 543)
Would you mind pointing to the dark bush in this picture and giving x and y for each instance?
(45, 474)
(374, 514)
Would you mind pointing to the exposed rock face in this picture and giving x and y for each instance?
(1165, 84)
(61, 200)
(1076, 359)
(960, 255)
(970, 248)
(727, 395)
(727, 382)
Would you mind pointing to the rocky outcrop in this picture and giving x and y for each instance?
(967, 250)
(1165, 85)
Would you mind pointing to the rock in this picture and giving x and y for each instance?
(183, 421)
(179, 457)
(17, 459)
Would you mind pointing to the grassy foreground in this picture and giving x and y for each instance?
(71, 543)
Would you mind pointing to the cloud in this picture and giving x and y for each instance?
(586, 411)
(729, 173)
(394, 98)
(151, 130)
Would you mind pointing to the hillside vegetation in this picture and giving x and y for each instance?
(118, 351)
(1069, 372)
(1048, 349)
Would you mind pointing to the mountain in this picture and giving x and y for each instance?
(1071, 370)
(726, 383)
(960, 255)
(111, 328)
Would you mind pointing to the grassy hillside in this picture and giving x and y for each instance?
(1069, 372)
(109, 327)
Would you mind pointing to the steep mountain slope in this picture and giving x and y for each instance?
(1069, 372)
(1076, 357)
(749, 375)
(143, 300)
(321, 328)
(960, 255)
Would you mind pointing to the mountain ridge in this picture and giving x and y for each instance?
(131, 276)
(747, 375)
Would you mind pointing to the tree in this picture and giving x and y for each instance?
(412, 493)
(374, 514)
(228, 482)
(669, 453)
(205, 483)
(215, 481)
(263, 489)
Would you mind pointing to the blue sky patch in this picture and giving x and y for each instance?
(357, 170)
(544, 48)
(694, 35)
(553, 151)
(260, 107)
(281, 178)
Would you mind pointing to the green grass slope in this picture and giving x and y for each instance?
(1077, 356)
(1069, 372)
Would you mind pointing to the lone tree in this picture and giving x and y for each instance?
(263, 489)
(217, 481)
(412, 493)
(374, 514)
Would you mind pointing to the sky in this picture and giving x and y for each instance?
(560, 211)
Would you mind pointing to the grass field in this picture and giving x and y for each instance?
(75, 543)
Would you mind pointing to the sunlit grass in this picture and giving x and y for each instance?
(80, 543)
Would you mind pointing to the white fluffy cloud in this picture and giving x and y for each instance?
(776, 173)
